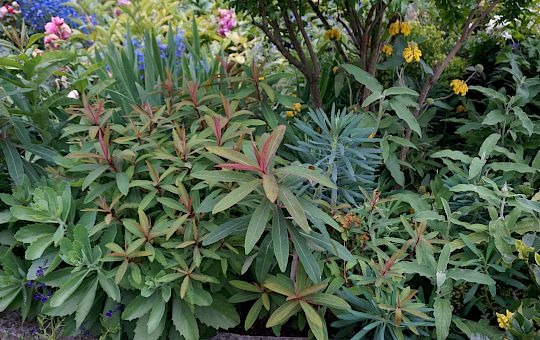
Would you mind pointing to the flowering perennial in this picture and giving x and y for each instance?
(226, 21)
(412, 52)
(459, 87)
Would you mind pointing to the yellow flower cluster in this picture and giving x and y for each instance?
(504, 320)
(387, 49)
(332, 34)
(297, 107)
(412, 52)
(399, 27)
(459, 87)
(335, 69)
(349, 220)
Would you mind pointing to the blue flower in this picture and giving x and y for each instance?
(36, 13)
(109, 313)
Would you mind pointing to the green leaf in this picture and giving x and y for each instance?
(280, 239)
(294, 208)
(330, 245)
(226, 229)
(403, 113)
(283, 313)
(314, 320)
(470, 276)
(109, 286)
(489, 93)
(91, 177)
(184, 320)
(13, 162)
(87, 302)
(393, 166)
(363, 77)
(526, 122)
(494, 117)
(253, 314)
(257, 224)
(444, 257)
(156, 314)
(236, 196)
(36, 249)
(138, 307)
(400, 91)
(221, 314)
(476, 167)
(443, 317)
(122, 181)
(67, 289)
(223, 176)
(308, 174)
(271, 187)
(231, 155)
(306, 257)
(488, 145)
(455, 155)
(509, 166)
(328, 300)
(273, 144)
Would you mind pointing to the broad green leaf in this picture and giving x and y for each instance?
(122, 182)
(405, 114)
(494, 117)
(455, 155)
(271, 187)
(221, 314)
(280, 239)
(223, 176)
(470, 276)
(67, 289)
(283, 313)
(444, 257)
(400, 91)
(488, 145)
(257, 224)
(294, 208)
(363, 77)
(231, 155)
(443, 317)
(156, 314)
(308, 174)
(476, 167)
(314, 320)
(108, 285)
(493, 94)
(328, 300)
(236, 196)
(86, 303)
(91, 177)
(395, 170)
(509, 166)
(330, 245)
(138, 307)
(184, 320)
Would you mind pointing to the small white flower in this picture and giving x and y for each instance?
(73, 94)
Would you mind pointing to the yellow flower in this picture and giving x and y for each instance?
(387, 49)
(290, 114)
(405, 28)
(459, 87)
(504, 320)
(297, 107)
(371, 135)
(461, 109)
(332, 34)
(261, 78)
(394, 28)
(335, 69)
(412, 52)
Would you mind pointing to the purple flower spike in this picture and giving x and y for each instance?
(109, 313)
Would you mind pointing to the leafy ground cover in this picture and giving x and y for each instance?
(328, 169)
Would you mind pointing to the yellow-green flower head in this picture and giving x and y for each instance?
(523, 250)
(290, 114)
(459, 87)
(405, 28)
(297, 107)
(332, 34)
(412, 53)
(394, 28)
(504, 320)
(387, 49)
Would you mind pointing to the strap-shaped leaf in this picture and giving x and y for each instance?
(294, 208)
(363, 77)
(306, 257)
(280, 239)
(257, 224)
(13, 162)
(236, 195)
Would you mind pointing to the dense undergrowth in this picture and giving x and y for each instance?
(335, 169)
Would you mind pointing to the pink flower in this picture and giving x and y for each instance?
(57, 21)
(51, 40)
(124, 2)
(50, 28)
(3, 11)
(37, 52)
(64, 31)
(226, 21)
